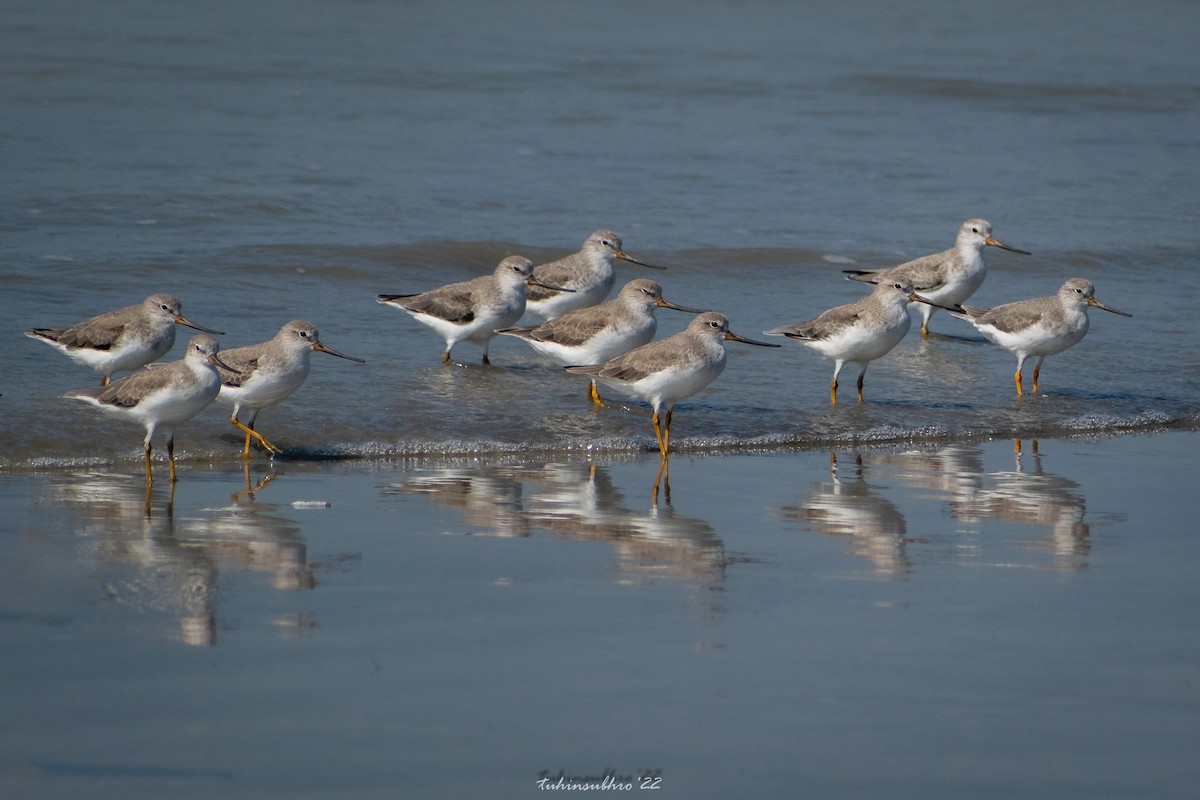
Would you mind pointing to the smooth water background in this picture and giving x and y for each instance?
(965, 628)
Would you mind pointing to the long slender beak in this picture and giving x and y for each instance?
(535, 282)
(916, 298)
(733, 337)
(215, 359)
(1002, 246)
(621, 254)
(179, 319)
(1094, 303)
(664, 303)
(332, 352)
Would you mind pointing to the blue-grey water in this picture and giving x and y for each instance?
(967, 627)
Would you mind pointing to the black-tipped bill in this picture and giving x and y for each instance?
(916, 298)
(179, 319)
(1002, 246)
(321, 347)
(1094, 303)
(665, 303)
(621, 254)
(535, 282)
(216, 359)
(733, 337)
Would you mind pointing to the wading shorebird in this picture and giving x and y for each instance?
(122, 340)
(947, 278)
(473, 310)
(1039, 327)
(163, 396)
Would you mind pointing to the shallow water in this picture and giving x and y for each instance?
(261, 180)
(494, 591)
(942, 621)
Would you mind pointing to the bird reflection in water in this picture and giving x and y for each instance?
(1026, 494)
(178, 561)
(575, 501)
(846, 507)
(1034, 497)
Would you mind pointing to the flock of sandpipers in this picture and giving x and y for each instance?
(609, 342)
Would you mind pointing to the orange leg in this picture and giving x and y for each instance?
(662, 433)
(252, 434)
(171, 456)
(861, 375)
(664, 477)
(1037, 368)
(149, 473)
(594, 393)
(833, 392)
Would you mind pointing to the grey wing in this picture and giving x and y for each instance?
(132, 389)
(1012, 317)
(244, 362)
(452, 303)
(569, 330)
(95, 334)
(556, 274)
(928, 273)
(826, 325)
(641, 362)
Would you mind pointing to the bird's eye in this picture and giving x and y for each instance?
(165, 307)
(303, 334)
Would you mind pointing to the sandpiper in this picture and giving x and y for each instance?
(858, 332)
(264, 374)
(664, 372)
(590, 273)
(1039, 327)
(473, 309)
(947, 278)
(163, 396)
(594, 334)
(120, 340)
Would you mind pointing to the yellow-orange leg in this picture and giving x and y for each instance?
(861, 375)
(171, 456)
(833, 392)
(594, 393)
(663, 434)
(663, 476)
(104, 381)
(1017, 377)
(252, 434)
(1037, 368)
(924, 330)
(446, 357)
(149, 472)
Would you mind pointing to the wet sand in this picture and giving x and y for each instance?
(972, 620)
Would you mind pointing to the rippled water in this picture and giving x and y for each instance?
(479, 583)
(267, 177)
